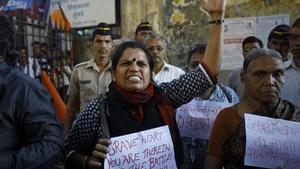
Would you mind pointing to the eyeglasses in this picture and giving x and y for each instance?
(247, 50)
(158, 48)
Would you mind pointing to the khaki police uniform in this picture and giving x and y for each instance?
(87, 82)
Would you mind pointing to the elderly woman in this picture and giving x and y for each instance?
(263, 79)
(133, 103)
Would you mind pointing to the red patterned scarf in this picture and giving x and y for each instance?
(138, 98)
(161, 100)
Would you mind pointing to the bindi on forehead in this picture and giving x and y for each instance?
(136, 58)
(133, 59)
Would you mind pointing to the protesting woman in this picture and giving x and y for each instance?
(134, 103)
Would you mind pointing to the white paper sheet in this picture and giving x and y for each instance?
(149, 149)
(272, 143)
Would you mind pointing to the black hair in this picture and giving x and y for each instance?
(22, 47)
(198, 48)
(296, 23)
(35, 43)
(45, 44)
(102, 29)
(280, 32)
(2, 83)
(130, 44)
(144, 26)
(7, 32)
(252, 39)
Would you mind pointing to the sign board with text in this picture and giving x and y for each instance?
(84, 13)
(272, 143)
(237, 29)
(196, 118)
(148, 149)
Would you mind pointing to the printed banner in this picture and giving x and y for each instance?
(272, 143)
(84, 13)
(148, 149)
(237, 29)
(36, 9)
(10, 5)
(196, 119)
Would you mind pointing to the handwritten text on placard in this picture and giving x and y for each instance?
(196, 118)
(272, 143)
(148, 149)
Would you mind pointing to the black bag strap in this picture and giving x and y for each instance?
(103, 110)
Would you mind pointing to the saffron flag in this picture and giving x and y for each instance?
(59, 105)
(58, 18)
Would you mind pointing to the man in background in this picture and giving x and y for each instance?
(278, 40)
(90, 79)
(291, 88)
(142, 30)
(249, 44)
(164, 72)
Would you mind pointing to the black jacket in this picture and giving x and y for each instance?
(30, 135)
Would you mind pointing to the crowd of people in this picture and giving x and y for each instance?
(129, 87)
(57, 64)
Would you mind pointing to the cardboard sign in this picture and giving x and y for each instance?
(150, 149)
(272, 143)
(196, 119)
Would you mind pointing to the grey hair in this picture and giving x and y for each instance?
(162, 38)
(260, 52)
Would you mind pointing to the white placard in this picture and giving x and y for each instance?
(149, 149)
(196, 119)
(272, 143)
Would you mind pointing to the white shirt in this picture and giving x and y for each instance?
(168, 73)
(28, 69)
(66, 80)
(234, 81)
(291, 88)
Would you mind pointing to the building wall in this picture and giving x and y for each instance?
(185, 24)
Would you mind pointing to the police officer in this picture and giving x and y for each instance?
(142, 30)
(91, 78)
(278, 40)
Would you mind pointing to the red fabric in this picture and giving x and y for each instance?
(161, 100)
(166, 110)
(138, 98)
